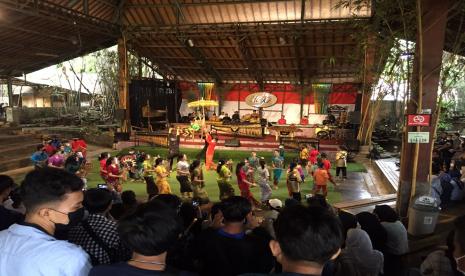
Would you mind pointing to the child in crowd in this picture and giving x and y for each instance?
(341, 162)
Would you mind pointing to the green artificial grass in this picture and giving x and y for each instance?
(210, 176)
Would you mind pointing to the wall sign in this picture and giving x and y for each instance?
(418, 137)
(418, 119)
(261, 99)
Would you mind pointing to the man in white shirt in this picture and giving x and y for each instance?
(53, 201)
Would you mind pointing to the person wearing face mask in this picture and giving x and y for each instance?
(459, 244)
(53, 200)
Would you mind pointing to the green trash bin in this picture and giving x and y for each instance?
(423, 216)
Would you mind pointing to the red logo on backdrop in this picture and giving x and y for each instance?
(418, 119)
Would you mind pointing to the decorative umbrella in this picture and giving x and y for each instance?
(203, 103)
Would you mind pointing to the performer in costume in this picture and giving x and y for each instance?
(183, 176)
(210, 152)
(173, 146)
(197, 180)
(162, 175)
(206, 137)
(115, 175)
(244, 184)
(278, 166)
(151, 187)
(224, 180)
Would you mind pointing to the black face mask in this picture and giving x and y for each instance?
(74, 219)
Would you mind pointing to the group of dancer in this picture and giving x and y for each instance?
(251, 172)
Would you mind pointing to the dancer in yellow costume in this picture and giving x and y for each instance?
(162, 175)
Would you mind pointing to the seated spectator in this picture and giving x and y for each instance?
(440, 262)
(49, 148)
(53, 200)
(127, 205)
(348, 221)
(371, 224)
(319, 200)
(358, 247)
(7, 217)
(97, 234)
(149, 233)
(397, 239)
(57, 160)
(282, 121)
(270, 216)
(230, 250)
(306, 239)
(39, 158)
(15, 203)
(459, 244)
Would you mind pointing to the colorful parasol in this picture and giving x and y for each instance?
(202, 103)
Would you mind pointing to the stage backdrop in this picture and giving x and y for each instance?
(289, 99)
(160, 94)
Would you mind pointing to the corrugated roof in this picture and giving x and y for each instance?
(36, 34)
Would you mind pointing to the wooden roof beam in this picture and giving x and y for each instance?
(51, 11)
(189, 45)
(252, 67)
(209, 3)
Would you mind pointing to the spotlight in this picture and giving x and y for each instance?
(190, 42)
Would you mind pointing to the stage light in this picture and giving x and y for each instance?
(190, 42)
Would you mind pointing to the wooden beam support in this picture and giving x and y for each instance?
(85, 7)
(9, 85)
(165, 4)
(434, 20)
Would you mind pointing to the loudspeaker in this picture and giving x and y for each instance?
(232, 143)
(354, 117)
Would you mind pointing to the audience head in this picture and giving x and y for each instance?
(235, 209)
(275, 204)
(6, 186)
(386, 213)
(309, 235)
(128, 197)
(459, 243)
(97, 200)
(220, 165)
(289, 202)
(318, 200)
(150, 231)
(348, 221)
(170, 200)
(52, 197)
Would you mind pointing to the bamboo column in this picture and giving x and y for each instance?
(123, 78)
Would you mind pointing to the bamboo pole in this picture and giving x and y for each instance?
(420, 97)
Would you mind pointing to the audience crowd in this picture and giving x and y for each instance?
(60, 228)
(52, 224)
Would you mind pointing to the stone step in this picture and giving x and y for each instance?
(15, 163)
(18, 174)
(17, 150)
(12, 139)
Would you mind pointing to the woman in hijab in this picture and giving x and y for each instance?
(359, 248)
(371, 224)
